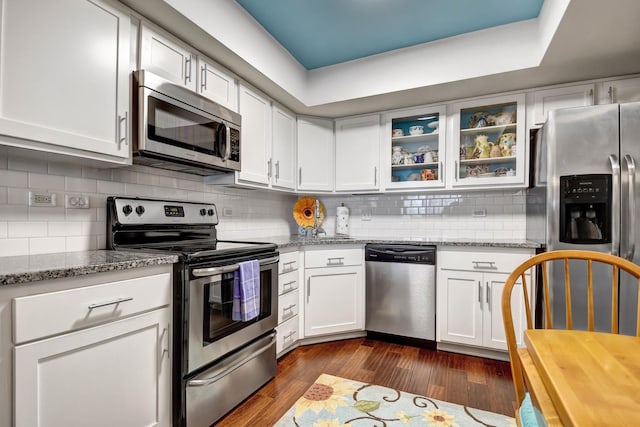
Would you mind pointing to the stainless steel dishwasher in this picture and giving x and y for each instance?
(401, 291)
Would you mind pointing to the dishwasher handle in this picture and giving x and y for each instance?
(398, 253)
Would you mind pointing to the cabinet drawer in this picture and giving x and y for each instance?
(478, 260)
(287, 334)
(53, 313)
(287, 282)
(288, 306)
(288, 262)
(333, 258)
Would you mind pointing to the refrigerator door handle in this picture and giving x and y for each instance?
(615, 205)
(631, 219)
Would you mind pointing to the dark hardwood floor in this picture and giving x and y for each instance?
(466, 380)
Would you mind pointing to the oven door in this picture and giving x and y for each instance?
(212, 331)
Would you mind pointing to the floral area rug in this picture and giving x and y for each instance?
(338, 402)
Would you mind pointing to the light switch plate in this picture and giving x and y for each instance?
(42, 198)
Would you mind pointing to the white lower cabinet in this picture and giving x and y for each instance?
(288, 302)
(334, 291)
(103, 362)
(469, 294)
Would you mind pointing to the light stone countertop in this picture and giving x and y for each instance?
(30, 268)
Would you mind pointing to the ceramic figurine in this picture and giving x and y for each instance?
(482, 148)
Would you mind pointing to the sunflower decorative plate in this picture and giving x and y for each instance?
(304, 212)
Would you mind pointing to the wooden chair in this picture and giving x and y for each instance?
(540, 265)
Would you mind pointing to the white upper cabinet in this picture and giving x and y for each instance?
(255, 146)
(488, 142)
(619, 91)
(358, 153)
(556, 98)
(167, 57)
(283, 160)
(217, 85)
(64, 69)
(315, 154)
(414, 149)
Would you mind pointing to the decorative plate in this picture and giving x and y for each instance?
(304, 212)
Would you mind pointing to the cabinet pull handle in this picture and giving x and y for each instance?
(480, 293)
(375, 176)
(457, 170)
(440, 172)
(269, 168)
(300, 176)
(485, 265)
(164, 349)
(488, 296)
(593, 101)
(287, 266)
(104, 304)
(287, 316)
(203, 78)
(308, 289)
(122, 134)
(286, 287)
(340, 261)
(611, 94)
(187, 70)
(277, 170)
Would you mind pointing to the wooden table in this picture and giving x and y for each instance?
(581, 378)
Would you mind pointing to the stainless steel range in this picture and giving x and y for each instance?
(218, 361)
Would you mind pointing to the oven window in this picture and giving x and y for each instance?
(173, 125)
(218, 297)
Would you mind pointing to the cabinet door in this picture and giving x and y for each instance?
(255, 155)
(117, 374)
(621, 91)
(494, 335)
(284, 149)
(564, 97)
(167, 58)
(217, 85)
(81, 101)
(460, 314)
(334, 300)
(357, 153)
(489, 144)
(315, 155)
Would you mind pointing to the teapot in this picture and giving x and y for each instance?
(482, 148)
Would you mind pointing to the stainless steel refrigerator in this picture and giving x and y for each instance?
(584, 195)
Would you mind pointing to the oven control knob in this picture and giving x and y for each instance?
(139, 210)
(203, 211)
(210, 212)
(127, 209)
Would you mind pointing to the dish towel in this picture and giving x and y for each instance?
(246, 291)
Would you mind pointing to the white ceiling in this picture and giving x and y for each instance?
(571, 40)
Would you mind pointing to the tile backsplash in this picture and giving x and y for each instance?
(253, 214)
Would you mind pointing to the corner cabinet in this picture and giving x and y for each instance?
(488, 142)
(358, 153)
(469, 296)
(315, 154)
(414, 154)
(334, 291)
(80, 105)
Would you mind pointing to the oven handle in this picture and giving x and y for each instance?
(232, 367)
(213, 271)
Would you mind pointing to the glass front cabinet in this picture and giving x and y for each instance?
(488, 142)
(415, 157)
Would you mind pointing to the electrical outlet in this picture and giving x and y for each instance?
(366, 215)
(227, 212)
(76, 201)
(42, 199)
(480, 212)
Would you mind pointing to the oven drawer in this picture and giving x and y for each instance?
(288, 262)
(64, 311)
(216, 391)
(288, 306)
(333, 258)
(287, 282)
(288, 334)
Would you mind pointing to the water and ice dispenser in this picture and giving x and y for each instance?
(585, 209)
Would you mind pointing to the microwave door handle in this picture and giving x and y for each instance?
(228, 142)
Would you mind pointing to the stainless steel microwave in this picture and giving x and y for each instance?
(177, 129)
